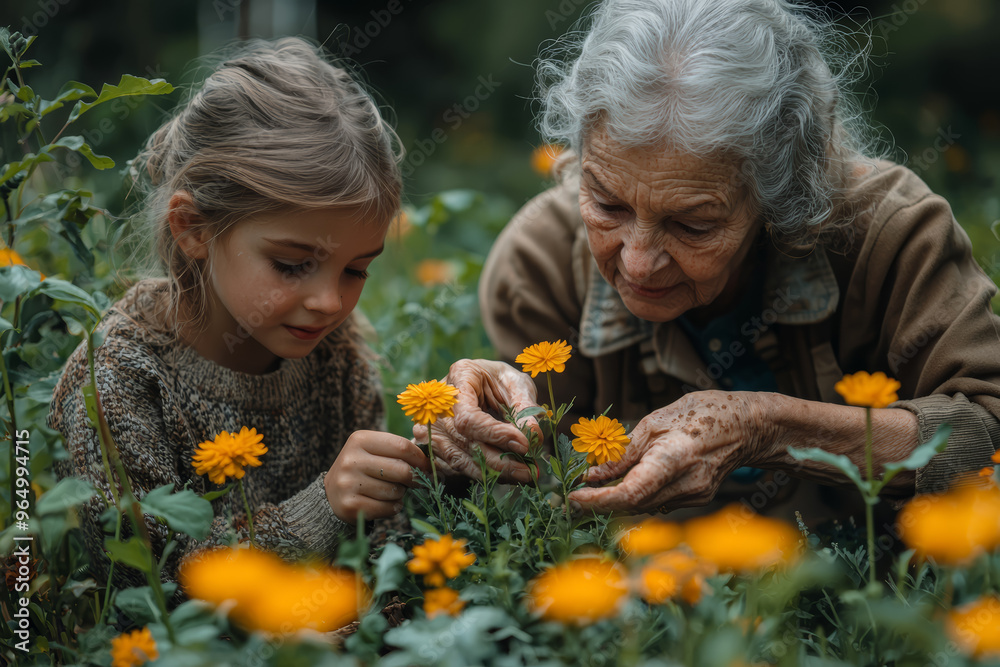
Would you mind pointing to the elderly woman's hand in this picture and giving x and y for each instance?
(680, 454)
(484, 386)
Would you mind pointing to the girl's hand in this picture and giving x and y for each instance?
(679, 455)
(483, 387)
(371, 474)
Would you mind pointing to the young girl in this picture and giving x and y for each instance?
(271, 194)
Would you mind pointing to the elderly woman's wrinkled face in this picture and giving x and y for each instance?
(670, 231)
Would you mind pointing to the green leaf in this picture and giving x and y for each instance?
(140, 604)
(71, 90)
(838, 461)
(131, 552)
(212, 495)
(69, 492)
(17, 281)
(184, 511)
(389, 570)
(25, 94)
(920, 456)
(13, 168)
(24, 64)
(67, 292)
(5, 325)
(424, 527)
(127, 87)
(12, 109)
(472, 507)
(76, 143)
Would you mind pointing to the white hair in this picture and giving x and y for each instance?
(759, 82)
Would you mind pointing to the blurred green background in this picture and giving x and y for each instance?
(465, 68)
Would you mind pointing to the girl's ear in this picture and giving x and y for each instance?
(184, 218)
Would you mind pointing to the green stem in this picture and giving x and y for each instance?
(246, 508)
(555, 446)
(111, 570)
(869, 506)
(434, 476)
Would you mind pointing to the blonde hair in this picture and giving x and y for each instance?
(276, 126)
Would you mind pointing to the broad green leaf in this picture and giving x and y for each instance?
(140, 604)
(12, 109)
(25, 94)
(127, 87)
(838, 461)
(68, 492)
(131, 552)
(5, 325)
(424, 527)
(17, 280)
(11, 169)
(67, 292)
(72, 90)
(76, 143)
(24, 64)
(184, 511)
(389, 570)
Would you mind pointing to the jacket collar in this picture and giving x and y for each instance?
(797, 290)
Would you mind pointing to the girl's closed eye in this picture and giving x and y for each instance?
(360, 274)
(289, 269)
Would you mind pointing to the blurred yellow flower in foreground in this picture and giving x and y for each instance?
(953, 527)
(544, 157)
(673, 574)
(975, 627)
(435, 272)
(444, 600)
(229, 454)
(424, 403)
(650, 536)
(440, 559)
(603, 439)
(735, 538)
(10, 257)
(579, 591)
(271, 595)
(868, 391)
(133, 649)
(544, 357)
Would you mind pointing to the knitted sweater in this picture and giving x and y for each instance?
(161, 399)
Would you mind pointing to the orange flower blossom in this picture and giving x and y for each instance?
(440, 559)
(868, 391)
(544, 357)
(228, 454)
(424, 403)
(603, 439)
(133, 649)
(579, 591)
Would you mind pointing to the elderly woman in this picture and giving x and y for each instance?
(720, 253)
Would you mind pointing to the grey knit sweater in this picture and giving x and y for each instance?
(162, 399)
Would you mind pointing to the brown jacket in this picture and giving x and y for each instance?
(904, 296)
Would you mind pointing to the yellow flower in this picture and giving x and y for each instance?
(444, 600)
(603, 439)
(673, 574)
(544, 158)
(435, 272)
(425, 402)
(649, 537)
(736, 538)
(868, 391)
(579, 591)
(995, 458)
(10, 257)
(975, 627)
(228, 454)
(296, 597)
(440, 559)
(133, 649)
(953, 527)
(544, 357)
